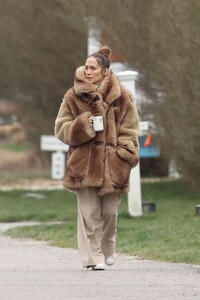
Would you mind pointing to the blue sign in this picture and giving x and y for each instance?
(147, 148)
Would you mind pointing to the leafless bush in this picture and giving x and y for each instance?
(22, 161)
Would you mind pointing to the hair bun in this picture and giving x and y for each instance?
(105, 50)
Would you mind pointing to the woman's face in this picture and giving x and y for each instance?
(93, 71)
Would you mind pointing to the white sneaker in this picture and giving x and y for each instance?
(110, 260)
(99, 267)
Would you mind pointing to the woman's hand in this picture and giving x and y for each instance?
(90, 121)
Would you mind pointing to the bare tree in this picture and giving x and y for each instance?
(42, 43)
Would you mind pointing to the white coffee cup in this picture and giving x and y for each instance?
(97, 123)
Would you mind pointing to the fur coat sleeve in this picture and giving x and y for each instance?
(73, 131)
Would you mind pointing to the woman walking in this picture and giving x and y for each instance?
(98, 119)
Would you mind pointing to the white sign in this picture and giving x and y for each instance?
(51, 143)
(144, 127)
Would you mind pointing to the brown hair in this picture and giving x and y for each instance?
(103, 56)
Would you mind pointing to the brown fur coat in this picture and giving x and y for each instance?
(98, 159)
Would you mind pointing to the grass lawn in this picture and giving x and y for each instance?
(169, 234)
(14, 147)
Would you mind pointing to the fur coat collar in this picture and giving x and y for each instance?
(109, 88)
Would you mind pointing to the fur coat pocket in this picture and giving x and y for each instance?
(130, 156)
(78, 162)
(119, 169)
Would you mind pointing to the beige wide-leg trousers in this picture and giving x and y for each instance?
(96, 225)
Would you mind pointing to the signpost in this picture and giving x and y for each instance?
(51, 143)
(57, 165)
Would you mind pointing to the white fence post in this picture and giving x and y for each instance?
(127, 78)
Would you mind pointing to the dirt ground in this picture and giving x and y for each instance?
(32, 184)
(23, 170)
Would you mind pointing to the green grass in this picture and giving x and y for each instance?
(15, 147)
(41, 206)
(169, 234)
(61, 235)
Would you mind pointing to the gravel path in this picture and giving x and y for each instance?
(34, 270)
